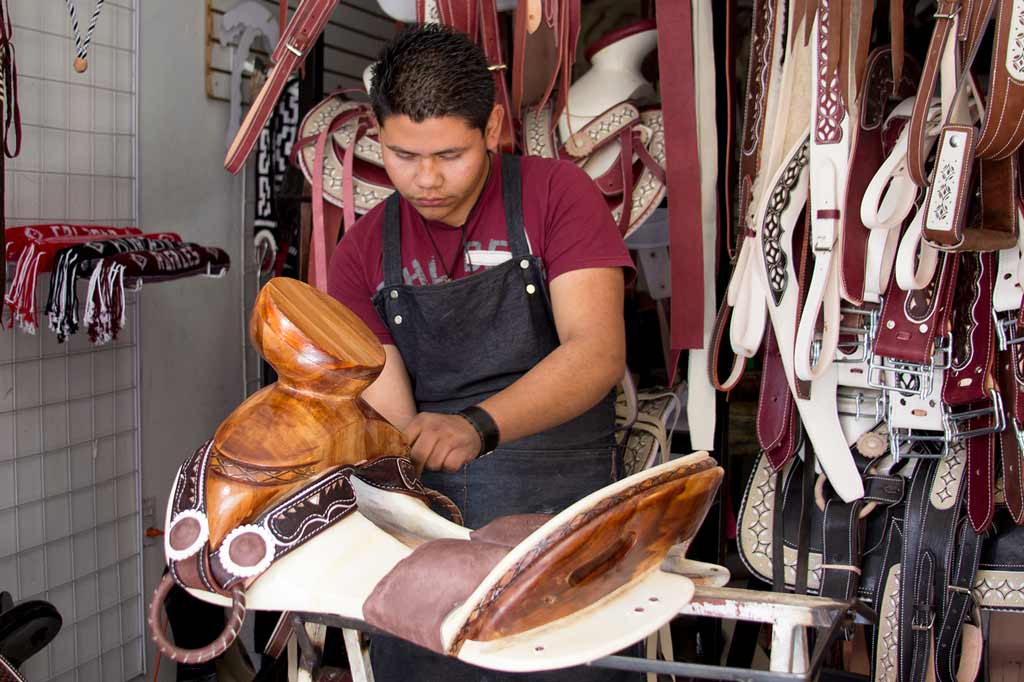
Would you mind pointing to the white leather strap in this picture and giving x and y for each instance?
(820, 413)
(916, 260)
(830, 158)
(701, 402)
(1007, 293)
(878, 263)
(746, 295)
(891, 194)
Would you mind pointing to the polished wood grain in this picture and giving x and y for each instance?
(608, 547)
(311, 419)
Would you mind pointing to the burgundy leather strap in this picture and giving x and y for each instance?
(776, 410)
(544, 58)
(866, 157)
(1011, 386)
(676, 63)
(971, 378)
(911, 319)
(491, 42)
(305, 27)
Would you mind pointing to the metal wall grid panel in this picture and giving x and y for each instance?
(70, 522)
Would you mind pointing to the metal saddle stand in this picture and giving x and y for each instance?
(790, 615)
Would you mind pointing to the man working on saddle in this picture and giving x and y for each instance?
(495, 284)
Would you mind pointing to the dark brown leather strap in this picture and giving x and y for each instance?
(232, 626)
(755, 100)
(945, 13)
(1002, 132)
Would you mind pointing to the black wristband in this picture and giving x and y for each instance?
(485, 428)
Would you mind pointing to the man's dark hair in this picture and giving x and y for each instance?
(430, 71)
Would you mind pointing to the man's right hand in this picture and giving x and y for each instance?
(442, 442)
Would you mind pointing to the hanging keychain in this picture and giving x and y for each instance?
(82, 46)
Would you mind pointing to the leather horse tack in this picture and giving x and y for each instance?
(917, 529)
(968, 158)
(618, 142)
(304, 501)
(298, 37)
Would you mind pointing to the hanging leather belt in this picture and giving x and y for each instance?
(675, 27)
(305, 27)
(868, 251)
(974, 408)
(763, 73)
(910, 354)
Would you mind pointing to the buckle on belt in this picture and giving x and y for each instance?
(953, 420)
(900, 437)
(860, 349)
(1007, 331)
(920, 374)
(864, 405)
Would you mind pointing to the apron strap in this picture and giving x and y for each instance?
(392, 251)
(512, 194)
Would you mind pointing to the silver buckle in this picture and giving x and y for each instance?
(953, 420)
(942, 358)
(1007, 331)
(900, 437)
(860, 349)
(878, 406)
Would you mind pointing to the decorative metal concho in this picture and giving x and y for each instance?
(189, 528)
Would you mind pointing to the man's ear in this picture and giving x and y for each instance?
(492, 136)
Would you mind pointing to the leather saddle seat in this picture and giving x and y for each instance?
(344, 527)
(310, 419)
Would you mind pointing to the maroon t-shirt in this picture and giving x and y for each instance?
(567, 223)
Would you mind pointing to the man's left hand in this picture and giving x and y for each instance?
(442, 441)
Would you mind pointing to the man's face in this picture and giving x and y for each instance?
(440, 164)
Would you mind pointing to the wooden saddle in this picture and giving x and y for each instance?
(304, 500)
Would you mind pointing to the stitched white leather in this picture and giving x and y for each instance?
(945, 189)
(916, 260)
(1007, 293)
(828, 167)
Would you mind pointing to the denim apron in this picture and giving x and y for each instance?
(463, 341)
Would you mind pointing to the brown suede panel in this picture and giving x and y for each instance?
(509, 531)
(414, 598)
